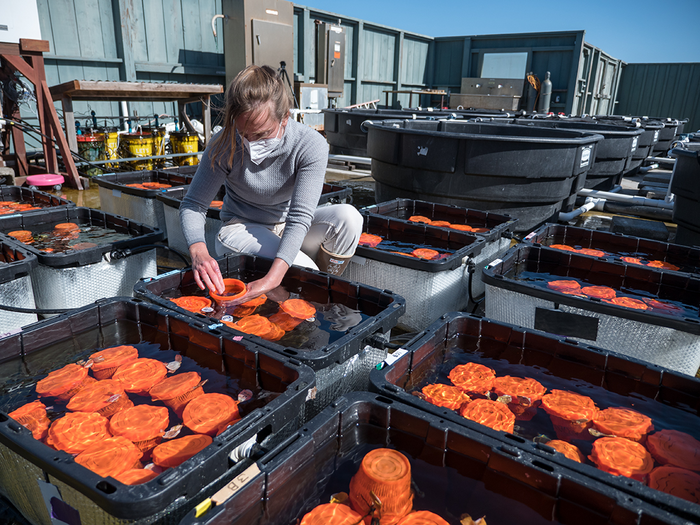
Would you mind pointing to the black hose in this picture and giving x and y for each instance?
(34, 310)
(471, 268)
(119, 253)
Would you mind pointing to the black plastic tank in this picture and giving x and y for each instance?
(686, 187)
(528, 173)
(647, 140)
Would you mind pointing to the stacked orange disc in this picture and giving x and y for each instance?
(67, 230)
(64, 383)
(33, 417)
(76, 431)
(233, 289)
(192, 303)
(425, 253)
(451, 397)
(570, 451)
(623, 422)
(473, 378)
(143, 425)
(135, 476)
(176, 451)
(110, 457)
(331, 514)
(298, 308)
(622, 457)
(257, 325)
(524, 392)
(600, 292)
(210, 414)
(139, 376)
(676, 481)
(106, 361)
(565, 286)
(664, 265)
(367, 239)
(178, 390)
(675, 448)
(420, 218)
(571, 414)
(492, 414)
(24, 236)
(628, 302)
(423, 517)
(103, 397)
(386, 474)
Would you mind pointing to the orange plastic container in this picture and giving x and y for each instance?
(447, 396)
(176, 451)
(423, 517)
(192, 303)
(473, 378)
(178, 390)
(622, 457)
(106, 361)
(103, 397)
(492, 414)
(623, 422)
(676, 481)
(33, 417)
(675, 448)
(64, 383)
(210, 414)
(298, 308)
(570, 451)
(571, 414)
(76, 431)
(331, 514)
(233, 289)
(135, 476)
(110, 457)
(144, 425)
(386, 473)
(139, 376)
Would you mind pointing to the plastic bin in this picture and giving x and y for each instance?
(454, 471)
(666, 136)
(647, 140)
(78, 277)
(341, 362)
(672, 340)
(171, 200)
(28, 468)
(685, 184)
(430, 288)
(36, 198)
(16, 286)
(617, 245)
(609, 378)
(528, 173)
(138, 204)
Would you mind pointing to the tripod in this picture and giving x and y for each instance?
(283, 73)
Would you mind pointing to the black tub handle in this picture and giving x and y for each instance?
(363, 128)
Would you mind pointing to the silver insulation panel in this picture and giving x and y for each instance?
(17, 292)
(140, 209)
(19, 483)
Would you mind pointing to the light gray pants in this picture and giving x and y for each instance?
(337, 227)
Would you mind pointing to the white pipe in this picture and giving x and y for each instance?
(565, 217)
(350, 158)
(631, 199)
(661, 160)
(213, 23)
(125, 113)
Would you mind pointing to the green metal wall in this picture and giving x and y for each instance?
(662, 90)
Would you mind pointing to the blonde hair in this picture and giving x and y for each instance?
(251, 90)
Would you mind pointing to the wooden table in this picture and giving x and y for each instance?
(418, 92)
(137, 91)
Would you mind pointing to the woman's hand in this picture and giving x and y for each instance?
(205, 269)
(270, 282)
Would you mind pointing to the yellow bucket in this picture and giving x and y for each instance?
(137, 145)
(185, 142)
(158, 144)
(111, 149)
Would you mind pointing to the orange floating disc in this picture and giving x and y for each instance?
(139, 376)
(523, 390)
(33, 417)
(135, 476)
(24, 236)
(233, 289)
(367, 239)
(451, 397)
(601, 292)
(592, 252)
(628, 302)
(156, 185)
(473, 378)
(676, 481)
(298, 308)
(667, 308)
(571, 413)
(76, 431)
(144, 425)
(285, 321)
(425, 253)
(632, 260)
(622, 457)
(66, 227)
(419, 218)
(275, 334)
(570, 451)
(422, 517)
(104, 397)
(64, 383)
(492, 414)
(192, 303)
(178, 390)
(331, 514)
(209, 413)
(110, 457)
(176, 451)
(258, 301)
(675, 448)
(444, 224)
(216, 204)
(623, 422)
(107, 360)
(565, 286)
(463, 228)
(252, 324)
(664, 265)
(564, 247)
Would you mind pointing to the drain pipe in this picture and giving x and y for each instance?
(588, 206)
(125, 113)
(630, 199)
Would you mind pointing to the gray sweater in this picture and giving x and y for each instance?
(285, 187)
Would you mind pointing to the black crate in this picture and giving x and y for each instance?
(15, 260)
(119, 181)
(35, 197)
(498, 225)
(281, 383)
(609, 378)
(454, 470)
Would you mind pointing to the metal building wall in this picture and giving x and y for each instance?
(661, 90)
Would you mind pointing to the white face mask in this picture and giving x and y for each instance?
(260, 149)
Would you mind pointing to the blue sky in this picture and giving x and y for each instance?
(634, 31)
